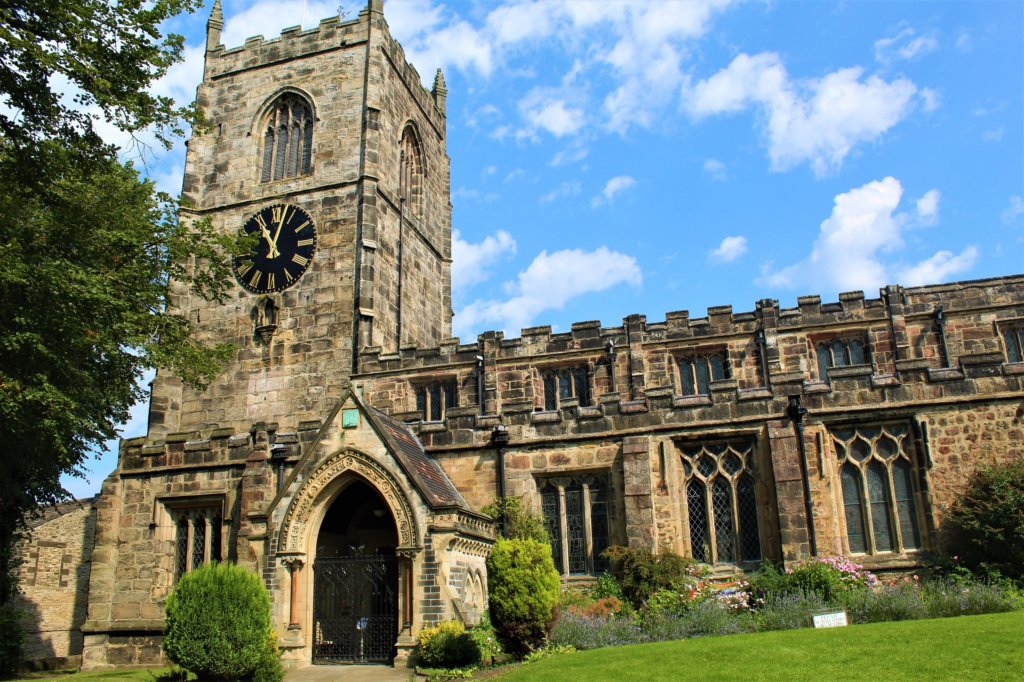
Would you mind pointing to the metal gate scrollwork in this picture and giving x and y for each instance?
(355, 609)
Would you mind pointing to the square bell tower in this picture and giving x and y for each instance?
(326, 145)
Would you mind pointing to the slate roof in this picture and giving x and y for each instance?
(425, 472)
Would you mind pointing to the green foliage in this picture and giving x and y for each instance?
(447, 645)
(988, 520)
(524, 591)
(549, 651)
(521, 522)
(826, 577)
(641, 573)
(218, 625)
(12, 634)
(486, 640)
(606, 586)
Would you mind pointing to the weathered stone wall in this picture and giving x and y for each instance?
(54, 583)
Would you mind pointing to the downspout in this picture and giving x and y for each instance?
(480, 383)
(629, 357)
(500, 438)
(940, 323)
(797, 412)
(611, 365)
(401, 232)
(762, 352)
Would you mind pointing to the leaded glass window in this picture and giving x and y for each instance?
(565, 383)
(721, 502)
(696, 372)
(287, 139)
(575, 511)
(197, 537)
(434, 399)
(876, 477)
(843, 352)
(1014, 338)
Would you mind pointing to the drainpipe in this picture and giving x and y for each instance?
(762, 352)
(611, 365)
(480, 382)
(797, 412)
(500, 438)
(940, 323)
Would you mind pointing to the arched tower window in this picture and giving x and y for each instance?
(410, 173)
(287, 139)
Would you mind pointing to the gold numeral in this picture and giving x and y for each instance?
(278, 214)
(255, 281)
(260, 221)
(289, 277)
(302, 227)
(244, 269)
(305, 242)
(300, 260)
(270, 280)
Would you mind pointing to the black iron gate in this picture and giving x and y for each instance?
(355, 609)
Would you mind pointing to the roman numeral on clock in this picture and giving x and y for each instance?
(255, 281)
(301, 260)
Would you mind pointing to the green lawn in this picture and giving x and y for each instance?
(124, 675)
(987, 647)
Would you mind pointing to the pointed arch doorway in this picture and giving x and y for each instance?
(355, 580)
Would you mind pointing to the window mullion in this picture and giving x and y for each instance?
(893, 512)
(588, 538)
(735, 503)
(564, 529)
(869, 523)
(709, 511)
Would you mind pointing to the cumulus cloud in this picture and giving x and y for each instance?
(928, 207)
(905, 45)
(267, 17)
(1015, 210)
(549, 283)
(817, 121)
(471, 262)
(858, 245)
(612, 188)
(566, 189)
(729, 250)
(716, 169)
(554, 115)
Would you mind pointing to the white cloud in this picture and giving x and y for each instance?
(939, 267)
(470, 262)
(905, 45)
(553, 115)
(1014, 210)
(612, 188)
(931, 99)
(566, 189)
(729, 250)
(550, 281)
(474, 195)
(716, 169)
(818, 121)
(268, 17)
(567, 156)
(994, 135)
(928, 207)
(858, 245)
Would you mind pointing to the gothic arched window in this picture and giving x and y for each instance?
(287, 139)
(410, 170)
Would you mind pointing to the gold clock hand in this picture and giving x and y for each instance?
(280, 224)
(272, 251)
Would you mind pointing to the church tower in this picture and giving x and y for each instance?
(323, 144)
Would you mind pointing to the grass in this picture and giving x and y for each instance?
(989, 647)
(123, 675)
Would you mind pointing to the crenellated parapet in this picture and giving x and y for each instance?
(908, 344)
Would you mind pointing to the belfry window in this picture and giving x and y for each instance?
(410, 171)
(721, 503)
(696, 372)
(287, 139)
(575, 511)
(197, 538)
(565, 383)
(843, 352)
(876, 475)
(434, 399)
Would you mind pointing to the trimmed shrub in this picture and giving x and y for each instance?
(218, 625)
(641, 573)
(12, 634)
(524, 591)
(447, 645)
(828, 577)
(521, 522)
(987, 522)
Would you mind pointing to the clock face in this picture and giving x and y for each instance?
(287, 242)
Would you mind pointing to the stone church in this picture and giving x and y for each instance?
(348, 449)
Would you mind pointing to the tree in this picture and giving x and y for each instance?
(88, 249)
(987, 522)
(524, 589)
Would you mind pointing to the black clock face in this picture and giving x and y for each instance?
(287, 242)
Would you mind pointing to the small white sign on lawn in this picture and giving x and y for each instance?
(831, 619)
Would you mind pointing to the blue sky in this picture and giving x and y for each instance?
(611, 158)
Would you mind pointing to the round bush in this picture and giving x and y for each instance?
(988, 521)
(524, 588)
(218, 625)
(447, 645)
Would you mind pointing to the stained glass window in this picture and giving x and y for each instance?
(696, 372)
(434, 399)
(197, 538)
(1014, 338)
(565, 383)
(841, 352)
(552, 521)
(721, 502)
(876, 477)
(287, 139)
